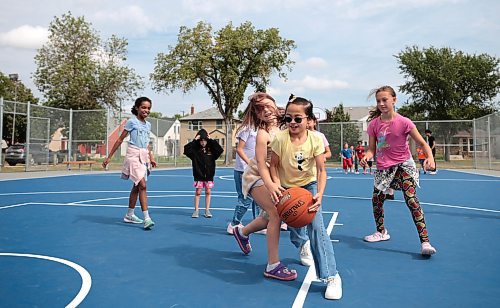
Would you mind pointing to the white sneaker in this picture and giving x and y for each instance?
(196, 214)
(377, 237)
(284, 227)
(334, 287)
(230, 227)
(427, 249)
(306, 257)
(132, 219)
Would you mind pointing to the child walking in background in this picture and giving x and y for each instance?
(138, 160)
(258, 183)
(245, 151)
(354, 161)
(359, 153)
(421, 157)
(388, 133)
(346, 155)
(298, 161)
(203, 153)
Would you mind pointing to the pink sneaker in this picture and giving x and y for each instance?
(377, 237)
(427, 249)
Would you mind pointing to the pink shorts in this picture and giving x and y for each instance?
(203, 184)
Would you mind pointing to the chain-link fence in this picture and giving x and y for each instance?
(487, 142)
(44, 138)
(463, 144)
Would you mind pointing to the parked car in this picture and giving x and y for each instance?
(39, 154)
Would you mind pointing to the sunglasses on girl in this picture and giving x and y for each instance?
(288, 119)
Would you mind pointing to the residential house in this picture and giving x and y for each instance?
(360, 114)
(211, 120)
(165, 136)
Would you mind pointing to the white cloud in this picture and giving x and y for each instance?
(313, 83)
(372, 8)
(316, 62)
(26, 37)
(273, 91)
(130, 18)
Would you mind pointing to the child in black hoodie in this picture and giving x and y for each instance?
(203, 153)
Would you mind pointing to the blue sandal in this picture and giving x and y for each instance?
(281, 272)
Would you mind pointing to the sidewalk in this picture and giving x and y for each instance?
(44, 174)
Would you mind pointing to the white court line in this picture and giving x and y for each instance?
(86, 279)
(311, 273)
(13, 205)
(161, 207)
(231, 177)
(422, 203)
(160, 196)
(421, 179)
(103, 191)
(191, 194)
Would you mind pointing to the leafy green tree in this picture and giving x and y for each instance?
(339, 129)
(226, 63)
(76, 70)
(445, 84)
(14, 90)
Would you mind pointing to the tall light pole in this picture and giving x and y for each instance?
(15, 79)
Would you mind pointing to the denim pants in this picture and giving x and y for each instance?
(321, 245)
(243, 204)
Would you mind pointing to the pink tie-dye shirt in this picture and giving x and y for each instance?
(392, 140)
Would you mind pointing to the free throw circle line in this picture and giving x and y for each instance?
(86, 279)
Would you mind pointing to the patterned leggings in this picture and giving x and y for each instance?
(402, 180)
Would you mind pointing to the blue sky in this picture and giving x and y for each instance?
(345, 48)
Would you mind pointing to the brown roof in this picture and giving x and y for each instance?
(209, 114)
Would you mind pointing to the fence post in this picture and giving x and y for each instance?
(474, 145)
(341, 139)
(70, 141)
(489, 143)
(106, 138)
(28, 141)
(175, 142)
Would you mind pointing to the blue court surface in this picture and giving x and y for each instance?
(63, 242)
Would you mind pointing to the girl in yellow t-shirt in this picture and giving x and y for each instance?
(298, 160)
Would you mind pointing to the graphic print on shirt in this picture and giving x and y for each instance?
(382, 141)
(299, 157)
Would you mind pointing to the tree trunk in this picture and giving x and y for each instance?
(229, 141)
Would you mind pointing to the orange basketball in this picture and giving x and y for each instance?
(292, 207)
